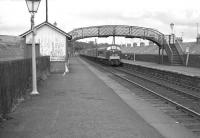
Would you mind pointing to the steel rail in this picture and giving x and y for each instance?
(191, 95)
(151, 91)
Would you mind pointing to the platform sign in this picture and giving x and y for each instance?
(58, 51)
(187, 50)
(55, 48)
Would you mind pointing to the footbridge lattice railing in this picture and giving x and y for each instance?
(118, 30)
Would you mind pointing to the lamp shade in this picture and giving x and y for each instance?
(172, 25)
(33, 5)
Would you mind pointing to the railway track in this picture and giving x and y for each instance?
(182, 106)
(184, 82)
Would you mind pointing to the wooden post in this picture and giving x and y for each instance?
(188, 53)
(46, 10)
(159, 54)
(162, 53)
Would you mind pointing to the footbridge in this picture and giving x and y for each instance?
(118, 30)
(164, 42)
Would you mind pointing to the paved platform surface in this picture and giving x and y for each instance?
(82, 105)
(190, 71)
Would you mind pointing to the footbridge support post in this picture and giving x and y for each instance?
(162, 54)
(159, 55)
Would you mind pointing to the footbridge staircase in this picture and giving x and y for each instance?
(174, 50)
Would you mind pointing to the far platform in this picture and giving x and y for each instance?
(189, 71)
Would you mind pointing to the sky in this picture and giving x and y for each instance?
(71, 14)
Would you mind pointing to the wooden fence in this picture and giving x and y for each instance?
(16, 78)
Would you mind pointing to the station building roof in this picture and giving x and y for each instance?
(69, 37)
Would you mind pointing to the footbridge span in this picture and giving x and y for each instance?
(153, 35)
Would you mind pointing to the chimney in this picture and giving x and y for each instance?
(55, 24)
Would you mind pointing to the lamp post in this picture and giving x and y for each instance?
(172, 36)
(33, 7)
(172, 27)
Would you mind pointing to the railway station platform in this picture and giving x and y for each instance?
(189, 71)
(86, 103)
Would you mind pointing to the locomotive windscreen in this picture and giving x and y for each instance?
(113, 48)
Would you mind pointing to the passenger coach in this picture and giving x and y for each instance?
(110, 55)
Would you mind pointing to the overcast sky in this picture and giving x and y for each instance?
(71, 14)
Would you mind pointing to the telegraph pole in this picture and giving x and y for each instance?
(46, 10)
(198, 36)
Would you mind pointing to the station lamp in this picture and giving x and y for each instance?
(33, 7)
(172, 27)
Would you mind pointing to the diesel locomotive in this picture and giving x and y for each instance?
(110, 55)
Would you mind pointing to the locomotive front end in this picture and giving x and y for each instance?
(114, 55)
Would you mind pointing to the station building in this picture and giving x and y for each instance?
(50, 41)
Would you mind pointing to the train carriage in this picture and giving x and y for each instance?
(110, 55)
